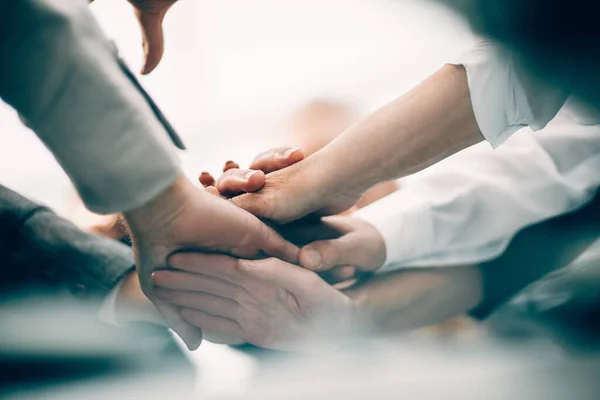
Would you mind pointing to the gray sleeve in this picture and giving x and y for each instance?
(43, 251)
(63, 77)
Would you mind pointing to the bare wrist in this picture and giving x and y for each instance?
(131, 304)
(162, 207)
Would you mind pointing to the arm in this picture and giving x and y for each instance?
(40, 249)
(543, 174)
(448, 112)
(273, 304)
(488, 196)
(411, 299)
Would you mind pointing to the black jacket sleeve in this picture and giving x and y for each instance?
(535, 252)
(39, 249)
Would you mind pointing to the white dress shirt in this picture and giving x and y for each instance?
(467, 208)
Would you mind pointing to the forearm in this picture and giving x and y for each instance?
(431, 122)
(127, 303)
(419, 222)
(406, 300)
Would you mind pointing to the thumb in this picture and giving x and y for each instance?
(323, 255)
(346, 250)
(272, 244)
(152, 36)
(254, 203)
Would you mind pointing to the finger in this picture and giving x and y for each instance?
(293, 278)
(206, 179)
(152, 36)
(255, 203)
(218, 266)
(222, 339)
(216, 325)
(339, 274)
(326, 254)
(276, 159)
(236, 181)
(272, 244)
(185, 281)
(230, 165)
(211, 304)
(190, 334)
(213, 190)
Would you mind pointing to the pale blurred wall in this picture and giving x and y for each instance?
(233, 69)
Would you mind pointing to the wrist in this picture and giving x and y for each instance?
(360, 321)
(163, 207)
(131, 304)
(340, 186)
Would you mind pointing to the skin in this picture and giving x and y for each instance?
(184, 217)
(335, 246)
(274, 304)
(428, 124)
(150, 15)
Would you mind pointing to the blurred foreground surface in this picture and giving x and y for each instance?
(57, 350)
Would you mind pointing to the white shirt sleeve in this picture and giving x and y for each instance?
(108, 309)
(467, 208)
(505, 96)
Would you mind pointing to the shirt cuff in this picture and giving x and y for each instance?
(108, 311)
(404, 221)
(505, 96)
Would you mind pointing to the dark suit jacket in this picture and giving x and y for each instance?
(537, 251)
(42, 251)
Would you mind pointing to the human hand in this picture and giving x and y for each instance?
(184, 217)
(268, 303)
(293, 187)
(337, 247)
(131, 304)
(150, 15)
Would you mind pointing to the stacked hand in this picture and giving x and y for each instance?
(184, 217)
(270, 302)
(292, 188)
(337, 244)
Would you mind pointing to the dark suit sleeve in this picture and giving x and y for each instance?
(41, 250)
(535, 252)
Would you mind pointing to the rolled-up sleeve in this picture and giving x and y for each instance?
(505, 95)
(62, 76)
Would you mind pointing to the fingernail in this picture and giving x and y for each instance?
(289, 152)
(250, 174)
(230, 165)
(314, 259)
(209, 180)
